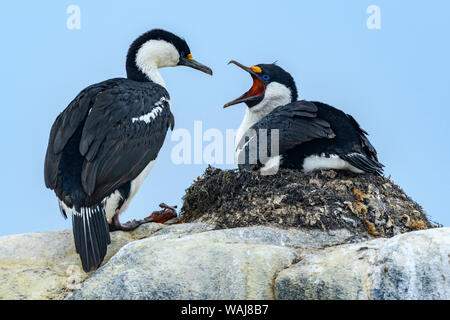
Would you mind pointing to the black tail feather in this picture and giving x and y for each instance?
(92, 243)
(364, 163)
(91, 236)
(103, 233)
(76, 235)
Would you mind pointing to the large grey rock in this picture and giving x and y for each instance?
(295, 238)
(333, 273)
(181, 230)
(44, 265)
(196, 261)
(413, 266)
(239, 263)
(409, 266)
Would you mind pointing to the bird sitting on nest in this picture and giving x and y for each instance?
(310, 135)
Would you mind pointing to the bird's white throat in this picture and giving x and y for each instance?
(155, 54)
(276, 94)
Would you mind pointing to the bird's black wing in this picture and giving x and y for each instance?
(112, 130)
(65, 126)
(295, 123)
(123, 132)
(367, 159)
(368, 149)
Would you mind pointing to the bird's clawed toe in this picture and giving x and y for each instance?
(167, 213)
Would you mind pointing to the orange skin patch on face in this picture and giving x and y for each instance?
(256, 69)
(257, 88)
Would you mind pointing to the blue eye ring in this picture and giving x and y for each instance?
(182, 54)
(265, 77)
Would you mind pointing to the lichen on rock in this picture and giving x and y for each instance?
(326, 200)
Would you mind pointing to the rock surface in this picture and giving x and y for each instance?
(409, 266)
(239, 263)
(324, 200)
(197, 261)
(323, 235)
(44, 265)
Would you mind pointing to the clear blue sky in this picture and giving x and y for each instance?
(394, 81)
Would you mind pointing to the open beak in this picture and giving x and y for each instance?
(194, 64)
(255, 93)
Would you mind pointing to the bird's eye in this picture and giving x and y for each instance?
(265, 77)
(182, 54)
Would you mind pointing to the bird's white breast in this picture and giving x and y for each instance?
(136, 185)
(112, 202)
(275, 95)
(249, 120)
(318, 162)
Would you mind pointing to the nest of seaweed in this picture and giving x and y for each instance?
(326, 200)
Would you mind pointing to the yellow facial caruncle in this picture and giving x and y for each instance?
(189, 56)
(256, 69)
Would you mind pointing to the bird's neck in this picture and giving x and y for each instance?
(275, 95)
(150, 56)
(249, 120)
(145, 72)
(152, 72)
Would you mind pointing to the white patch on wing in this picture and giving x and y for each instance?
(147, 118)
(316, 162)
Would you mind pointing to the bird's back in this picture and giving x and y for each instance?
(101, 142)
(349, 139)
(101, 113)
(314, 130)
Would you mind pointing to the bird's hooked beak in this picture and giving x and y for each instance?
(257, 90)
(190, 62)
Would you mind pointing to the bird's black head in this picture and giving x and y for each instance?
(158, 49)
(271, 84)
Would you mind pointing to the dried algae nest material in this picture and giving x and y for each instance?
(326, 200)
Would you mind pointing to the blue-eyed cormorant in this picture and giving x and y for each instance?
(104, 144)
(311, 135)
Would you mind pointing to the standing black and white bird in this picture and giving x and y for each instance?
(104, 144)
(311, 135)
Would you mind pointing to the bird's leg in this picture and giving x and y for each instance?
(161, 216)
(116, 225)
